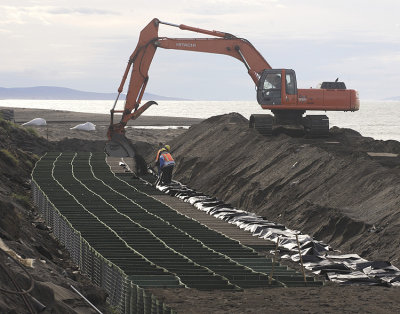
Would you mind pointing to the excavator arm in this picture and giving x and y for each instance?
(141, 58)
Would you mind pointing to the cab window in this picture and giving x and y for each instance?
(269, 89)
(290, 84)
(272, 81)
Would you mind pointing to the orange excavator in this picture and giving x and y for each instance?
(276, 88)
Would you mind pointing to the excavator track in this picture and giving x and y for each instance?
(316, 125)
(262, 123)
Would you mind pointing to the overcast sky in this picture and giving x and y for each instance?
(86, 44)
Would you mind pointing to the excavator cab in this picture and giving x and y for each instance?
(277, 91)
(277, 87)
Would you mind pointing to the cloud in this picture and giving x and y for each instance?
(44, 14)
(225, 7)
(21, 15)
(82, 11)
(83, 44)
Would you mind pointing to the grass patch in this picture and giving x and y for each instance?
(7, 125)
(32, 131)
(35, 157)
(29, 164)
(9, 157)
(22, 199)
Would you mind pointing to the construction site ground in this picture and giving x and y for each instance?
(343, 190)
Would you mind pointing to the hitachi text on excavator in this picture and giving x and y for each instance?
(276, 88)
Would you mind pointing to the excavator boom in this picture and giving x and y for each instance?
(140, 60)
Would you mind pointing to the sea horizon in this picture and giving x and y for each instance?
(376, 118)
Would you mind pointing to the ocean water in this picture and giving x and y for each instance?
(377, 119)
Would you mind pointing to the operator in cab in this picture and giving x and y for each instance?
(165, 164)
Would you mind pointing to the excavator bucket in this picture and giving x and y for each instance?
(119, 146)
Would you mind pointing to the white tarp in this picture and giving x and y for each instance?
(88, 126)
(36, 121)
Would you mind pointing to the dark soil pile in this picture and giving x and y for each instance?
(22, 231)
(329, 188)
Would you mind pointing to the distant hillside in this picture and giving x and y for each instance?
(53, 92)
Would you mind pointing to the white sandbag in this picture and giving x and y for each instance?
(36, 121)
(88, 126)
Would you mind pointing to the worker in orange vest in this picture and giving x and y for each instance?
(157, 161)
(166, 165)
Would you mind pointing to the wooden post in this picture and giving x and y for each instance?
(301, 260)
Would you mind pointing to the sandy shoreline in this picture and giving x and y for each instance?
(59, 124)
(23, 115)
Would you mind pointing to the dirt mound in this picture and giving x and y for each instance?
(330, 188)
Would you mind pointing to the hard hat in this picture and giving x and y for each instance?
(167, 147)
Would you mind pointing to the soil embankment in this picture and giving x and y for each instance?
(25, 237)
(330, 188)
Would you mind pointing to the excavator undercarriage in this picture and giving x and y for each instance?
(292, 122)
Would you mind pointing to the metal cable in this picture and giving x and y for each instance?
(24, 269)
(24, 294)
